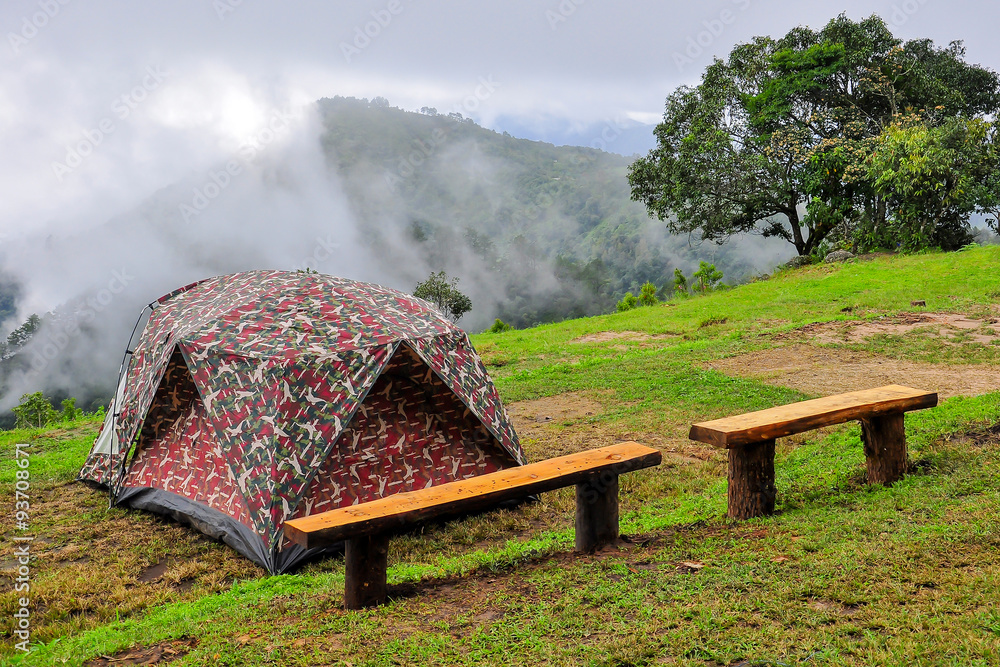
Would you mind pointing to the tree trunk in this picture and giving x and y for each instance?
(366, 561)
(751, 480)
(793, 221)
(885, 448)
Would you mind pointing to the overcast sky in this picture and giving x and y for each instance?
(200, 76)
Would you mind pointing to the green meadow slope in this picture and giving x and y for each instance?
(842, 574)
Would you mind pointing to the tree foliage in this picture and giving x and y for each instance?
(443, 293)
(34, 411)
(70, 413)
(706, 278)
(781, 138)
(928, 175)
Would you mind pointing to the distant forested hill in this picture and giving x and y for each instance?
(540, 232)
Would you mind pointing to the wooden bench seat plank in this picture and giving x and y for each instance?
(467, 495)
(786, 420)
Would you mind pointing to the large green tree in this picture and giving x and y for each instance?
(778, 137)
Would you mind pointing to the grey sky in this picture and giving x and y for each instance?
(557, 70)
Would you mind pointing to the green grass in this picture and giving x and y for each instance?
(56, 454)
(843, 574)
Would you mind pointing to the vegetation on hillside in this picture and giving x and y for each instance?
(539, 232)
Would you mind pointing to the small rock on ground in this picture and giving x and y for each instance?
(796, 262)
(839, 256)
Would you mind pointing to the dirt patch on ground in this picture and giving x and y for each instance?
(630, 336)
(543, 422)
(944, 325)
(977, 438)
(823, 371)
(833, 607)
(605, 336)
(562, 424)
(154, 572)
(559, 408)
(157, 654)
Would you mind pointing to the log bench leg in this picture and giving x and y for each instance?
(885, 448)
(751, 480)
(596, 511)
(366, 560)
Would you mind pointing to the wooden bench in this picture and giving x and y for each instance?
(750, 439)
(366, 527)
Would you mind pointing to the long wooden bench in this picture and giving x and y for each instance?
(366, 527)
(750, 439)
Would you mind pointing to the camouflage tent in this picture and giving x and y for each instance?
(257, 397)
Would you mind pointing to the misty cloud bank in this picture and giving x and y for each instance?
(269, 205)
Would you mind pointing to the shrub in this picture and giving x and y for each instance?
(647, 295)
(70, 413)
(499, 326)
(680, 283)
(628, 302)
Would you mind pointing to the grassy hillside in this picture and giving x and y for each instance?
(842, 574)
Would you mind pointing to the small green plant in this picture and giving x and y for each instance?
(628, 302)
(647, 295)
(706, 278)
(499, 326)
(680, 283)
(70, 413)
(34, 411)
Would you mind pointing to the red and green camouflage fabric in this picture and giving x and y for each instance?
(261, 396)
